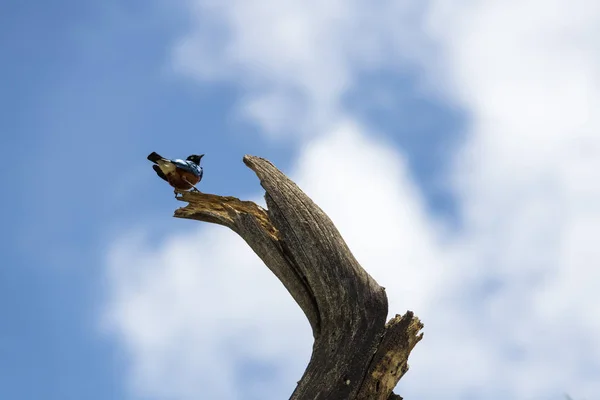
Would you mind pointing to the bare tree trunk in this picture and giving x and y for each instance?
(356, 355)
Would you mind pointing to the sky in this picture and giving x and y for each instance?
(456, 146)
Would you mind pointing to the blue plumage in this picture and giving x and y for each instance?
(189, 166)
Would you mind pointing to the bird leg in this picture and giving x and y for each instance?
(193, 187)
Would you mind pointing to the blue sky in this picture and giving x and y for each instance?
(89, 94)
(88, 97)
(477, 144)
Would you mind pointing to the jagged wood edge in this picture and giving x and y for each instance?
(355, 354)
(390, 362)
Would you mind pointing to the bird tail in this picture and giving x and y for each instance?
(154, 157)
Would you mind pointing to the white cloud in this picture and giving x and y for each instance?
(294, 58)
(509, 301)
(529, 179)
(193, 309)
(366, 188)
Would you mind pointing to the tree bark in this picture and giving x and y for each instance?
(356, 355)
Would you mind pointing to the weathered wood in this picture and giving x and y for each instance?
(355, 354)
(390, 362)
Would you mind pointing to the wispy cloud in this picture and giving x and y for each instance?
(509, 300)
(186, 313)
(528, 181)
(294, 59)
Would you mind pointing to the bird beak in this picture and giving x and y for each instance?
(201, 155)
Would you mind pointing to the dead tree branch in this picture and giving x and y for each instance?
(356, 355)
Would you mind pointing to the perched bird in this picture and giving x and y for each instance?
(181, 174)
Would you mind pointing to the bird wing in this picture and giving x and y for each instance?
(188, 166)
(156, 168)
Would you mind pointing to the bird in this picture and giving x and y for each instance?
(181, 174)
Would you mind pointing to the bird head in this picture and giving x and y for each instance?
(195, 158)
